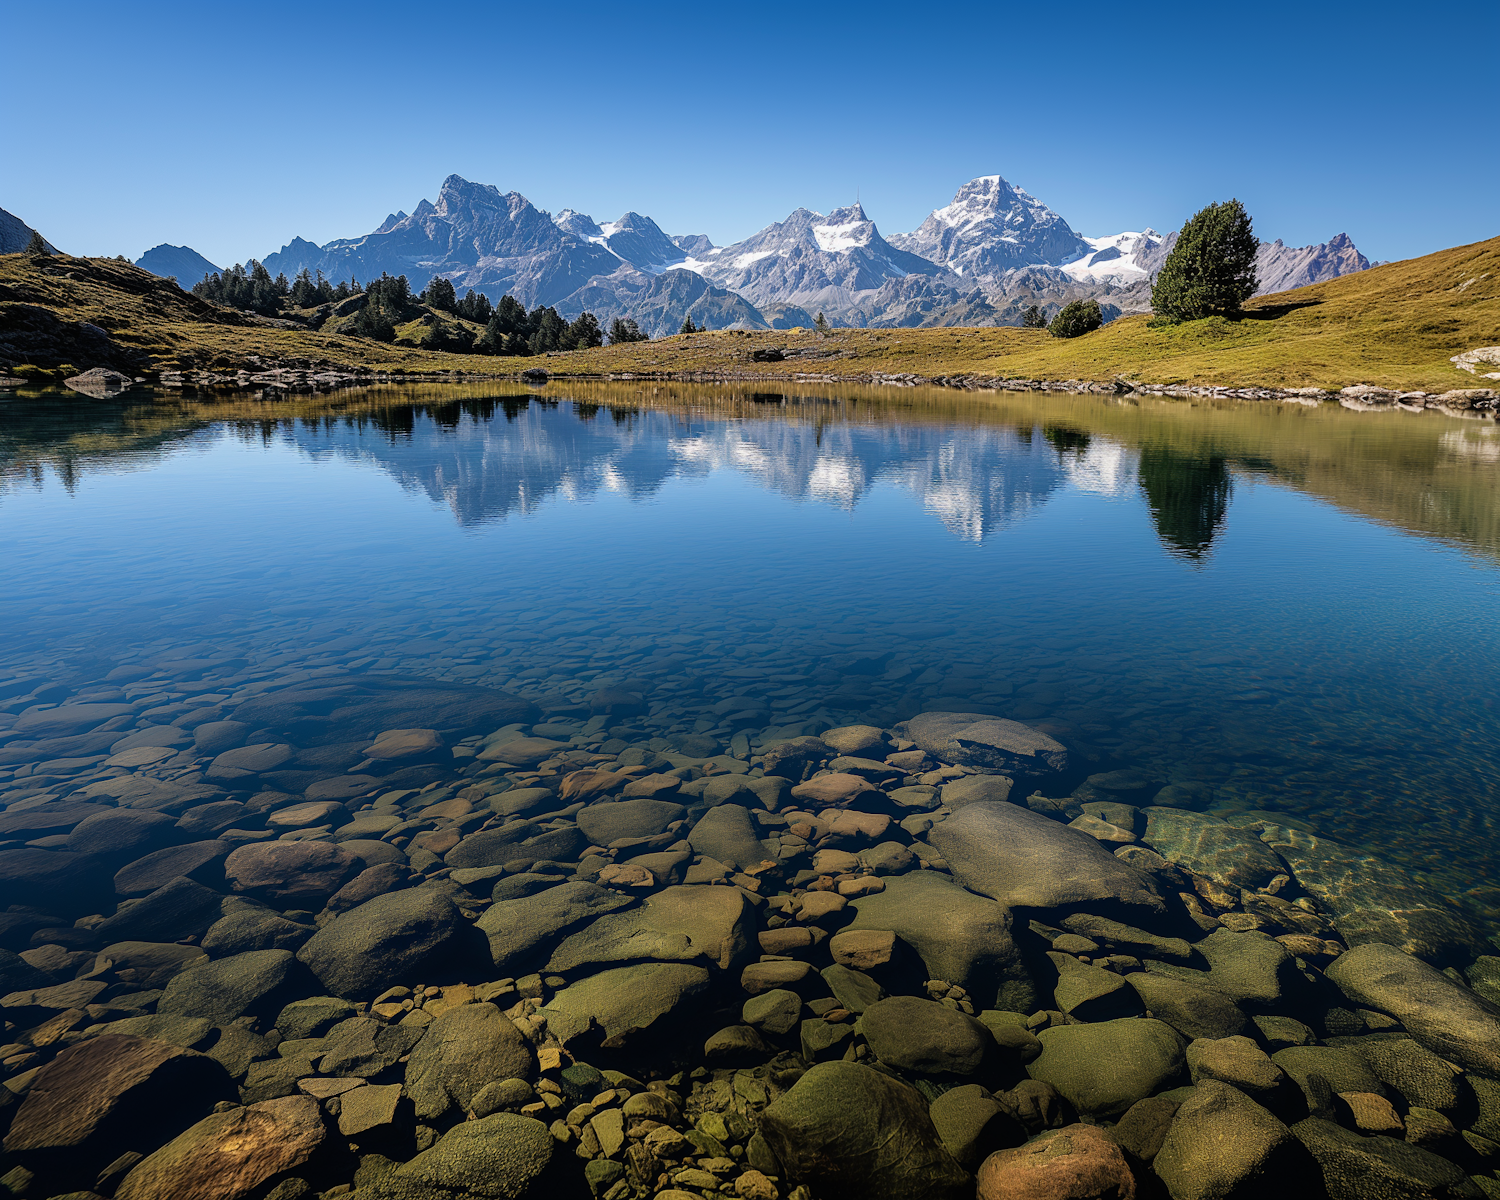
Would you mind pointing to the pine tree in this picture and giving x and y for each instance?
(584, 333)
(37, 246)
(440, 294)
(626, 330)
(1033, 318)
(1211, 270)
(688, 326)
(821, 324)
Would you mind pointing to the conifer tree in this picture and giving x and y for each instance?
(37, 246)
(687, 325)
(1211, 270)
(1032, 318)
(821, 324)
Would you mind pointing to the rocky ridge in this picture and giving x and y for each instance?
(403, 939)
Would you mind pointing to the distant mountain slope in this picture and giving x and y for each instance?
(475, 235)
(659, 303)
(635, 239)
(1279, 267)
(15, 234)
(183, 263)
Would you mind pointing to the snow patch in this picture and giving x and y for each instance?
(836, 239)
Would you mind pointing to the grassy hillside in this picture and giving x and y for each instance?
(88, 312)
(1395, 326)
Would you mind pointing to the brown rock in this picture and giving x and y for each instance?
(110, 1094)
(405, 743)
(835, 790)
(862, 949)
(590, 784)
(522, 752)
(290, 871)
(650, 787)
(1074, 1163)
(1373, 1114)
(770, 976)
(231, 1154)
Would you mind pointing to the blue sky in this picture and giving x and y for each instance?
(232, 128)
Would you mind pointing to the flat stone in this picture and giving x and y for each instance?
(977, 789)
(1208, 846)
(256, 983)
(463, 1050)
(249, 760)
(393, 744)
(924, 1037)
(706, 925)
(628, 1003)
(1025, 860)
(606, 823)
(290, 872)
(1447, 1019)
(352, 708)
(977, 739)
(847, 1130)
(1372, 900)
(392, 939)
(106, 1095)
(67, 720)
(1223, 1144)
(1076, 1161)
(523, 931)
(229, 1155)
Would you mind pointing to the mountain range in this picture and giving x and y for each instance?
(981, 259)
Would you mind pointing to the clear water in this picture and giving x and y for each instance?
(1295, 605)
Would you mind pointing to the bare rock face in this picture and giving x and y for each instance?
(229, 1155)
(975, 739)
(107, 1095)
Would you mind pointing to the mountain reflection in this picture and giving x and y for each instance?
(973, 480)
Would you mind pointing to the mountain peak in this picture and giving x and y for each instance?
(990, 227)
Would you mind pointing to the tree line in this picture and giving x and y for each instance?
(509, 329)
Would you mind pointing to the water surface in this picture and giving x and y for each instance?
(1292, 606)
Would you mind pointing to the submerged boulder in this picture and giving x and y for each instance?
(851, 1133)
(1025, 860)
(979, 740)
(1447, 1019)
(1074, 1163)
(960, 937)
(1224, 1146)
(1104, 1068)
(391, 939)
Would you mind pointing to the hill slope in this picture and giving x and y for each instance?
(1394, 326)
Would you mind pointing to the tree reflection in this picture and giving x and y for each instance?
(1188, 496)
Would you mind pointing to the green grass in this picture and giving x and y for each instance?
(1394, 326)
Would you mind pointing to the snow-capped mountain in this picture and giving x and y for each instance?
(831, 263)
(633, 239)
(1118, 258)
(982, 259)
(992, 227)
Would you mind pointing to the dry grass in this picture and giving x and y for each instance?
(1395, 326)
